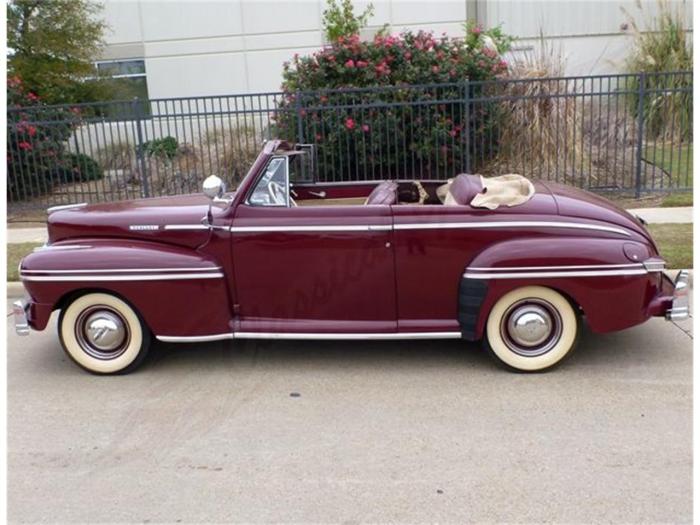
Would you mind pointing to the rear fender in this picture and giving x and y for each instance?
(615, 296)
(177, 290)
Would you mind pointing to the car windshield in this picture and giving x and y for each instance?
(273, 187)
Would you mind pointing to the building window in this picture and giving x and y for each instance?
(128, 78)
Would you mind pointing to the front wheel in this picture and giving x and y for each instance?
(103, 334)
(531, 329)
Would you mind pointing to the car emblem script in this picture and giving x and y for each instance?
(142, 227)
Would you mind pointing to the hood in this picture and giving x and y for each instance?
(145, 219)
(573, 202)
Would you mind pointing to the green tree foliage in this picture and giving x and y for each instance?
(52, 45)
(339, 19)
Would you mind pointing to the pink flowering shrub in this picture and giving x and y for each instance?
(393, 106)
(36, 137)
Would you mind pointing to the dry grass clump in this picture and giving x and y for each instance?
(225, 151)
(662, 43)
(540, 127)
(115, 156)
(229, 152)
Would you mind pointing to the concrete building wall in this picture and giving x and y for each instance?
(210, 47)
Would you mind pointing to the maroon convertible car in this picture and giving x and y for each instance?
(517, 264)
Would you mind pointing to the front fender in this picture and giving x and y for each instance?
(177, 290)
(606, 278)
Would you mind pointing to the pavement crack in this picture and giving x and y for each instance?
(686, 332)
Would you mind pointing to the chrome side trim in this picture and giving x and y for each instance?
(574, 273)
(655, 265)
(193, 338)
(123, 270)
(185, 227)
(428, 226)
(312, 228)
(62, 247)
(347, 336)
(66, 207)
(105, 278)
(567, 267)
(508, 224)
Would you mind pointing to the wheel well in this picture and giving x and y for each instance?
(471, 304)
(66, 299)
(576, 306)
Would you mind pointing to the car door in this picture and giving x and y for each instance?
(310, 269)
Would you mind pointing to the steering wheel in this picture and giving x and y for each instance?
(277, 193)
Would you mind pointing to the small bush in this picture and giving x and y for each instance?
(78, 167)
(165, 148)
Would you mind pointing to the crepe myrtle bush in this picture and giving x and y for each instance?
(402, 120)
(36, 145)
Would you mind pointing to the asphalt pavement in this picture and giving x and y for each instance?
(313, 431)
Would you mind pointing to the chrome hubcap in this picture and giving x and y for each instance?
(102, 332)
(531, 327)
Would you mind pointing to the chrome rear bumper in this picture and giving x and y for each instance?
(19, 309)
(680, 307)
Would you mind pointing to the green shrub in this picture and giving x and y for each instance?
(163, 149)
(391, 127)
(78, 167)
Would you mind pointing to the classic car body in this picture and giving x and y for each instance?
(281, 258)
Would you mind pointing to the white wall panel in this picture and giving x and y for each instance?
(525, 18)
(412, 12)
(173, 19)
(269, 16)
(198, 47)
(196, 75)
(265, 68)
(124, 21)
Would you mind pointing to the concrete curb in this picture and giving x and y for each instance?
(15, 289)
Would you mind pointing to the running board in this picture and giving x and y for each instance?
(310, 336)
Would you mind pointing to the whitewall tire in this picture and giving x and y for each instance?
(103, 334)
(531, 329)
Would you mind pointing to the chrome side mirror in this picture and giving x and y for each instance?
(213, 187)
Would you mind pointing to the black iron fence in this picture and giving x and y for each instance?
(628, 133)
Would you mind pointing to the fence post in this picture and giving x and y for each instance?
(640, 135)
(136, 110)
(467, 127)
(300, 127)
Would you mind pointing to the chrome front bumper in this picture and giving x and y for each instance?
(19, 309)
(679, 310)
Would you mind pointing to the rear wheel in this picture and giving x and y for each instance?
(532, 329)
(103, 334)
